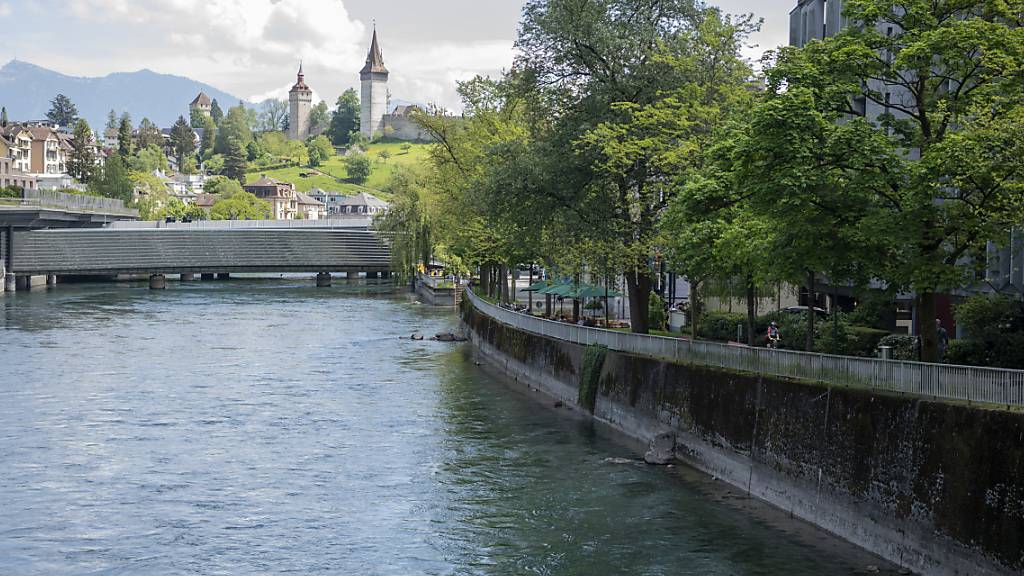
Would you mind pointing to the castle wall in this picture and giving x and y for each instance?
(404, 128)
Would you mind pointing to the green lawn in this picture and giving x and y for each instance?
(335, 171)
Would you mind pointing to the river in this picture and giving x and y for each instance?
(267, 427)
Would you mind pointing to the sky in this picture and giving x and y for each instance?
(252, 48)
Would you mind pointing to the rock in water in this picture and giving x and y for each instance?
(619, 461)
(662, 449)
(449, 337)
(417, 336)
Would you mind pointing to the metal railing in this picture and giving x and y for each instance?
(940, 381)
(77, 202)
(329, 224)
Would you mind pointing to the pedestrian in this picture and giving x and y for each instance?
(943, 338)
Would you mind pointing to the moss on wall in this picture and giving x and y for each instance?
(590, 376)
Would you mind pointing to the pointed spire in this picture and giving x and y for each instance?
(374, 59)
(300, 81)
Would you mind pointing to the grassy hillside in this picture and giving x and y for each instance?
(331, 175)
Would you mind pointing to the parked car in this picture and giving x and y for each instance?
(794, 309)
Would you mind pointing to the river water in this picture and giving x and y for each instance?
(267, 427)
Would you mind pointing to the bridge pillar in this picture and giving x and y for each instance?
(10, 282)
(323, 280)
(206, 277)
(371, 275)
(22, 283)
(188, 277)
(51, 279)
(223, 276)
(157, 282)
(385, 275)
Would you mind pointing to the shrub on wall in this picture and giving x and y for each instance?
(590, 376)
(720, 326)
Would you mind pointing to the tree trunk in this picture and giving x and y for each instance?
(503, 282)
(694, 308)
(638, 284)
(529, 296)
(926, 315)
(485, 279)
(809, 339)
(751, 311)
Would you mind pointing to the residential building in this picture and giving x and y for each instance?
(281, 196)
(300, 104)
(330, 200)
(362, 204)
(49, 151)
(10, 175)
(309, 208)
(19, 141)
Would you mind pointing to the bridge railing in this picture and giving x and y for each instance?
(939, 381)
(76, 202)
(346, 223)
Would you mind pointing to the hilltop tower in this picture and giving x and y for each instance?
(201, 103)
(374, 100)
(300, 104)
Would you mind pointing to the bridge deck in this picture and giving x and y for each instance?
(173, 251)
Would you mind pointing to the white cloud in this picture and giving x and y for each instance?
(5, 10)
(250, 48)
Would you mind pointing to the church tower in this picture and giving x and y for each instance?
(374, 98)
(300, 103)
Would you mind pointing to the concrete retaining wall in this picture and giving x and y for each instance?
(936, 487)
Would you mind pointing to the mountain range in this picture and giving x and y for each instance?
(26, 91)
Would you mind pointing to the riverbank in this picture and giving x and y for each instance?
(934, 487)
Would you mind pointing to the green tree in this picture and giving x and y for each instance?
(384, 155)
(320, 150)
(125, 140)
(82, 158)
(272, 115)
(196, 116)
(112, 120)
(587, 62)
(345, 118)
(149, 135)
(215, 164)
(240, 206)
(3, 117)
(149, 160)
(235, 163)
(209, 138)
(216, 113)
(182, 141)
(319, 118)
(62, 111)
(234, 127)
(938, 174)
(358, 168)
(114, 181)
(223, 187)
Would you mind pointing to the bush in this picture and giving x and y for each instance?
(903, 347)
(967, 353)
(986, 316)
(864, 341)
(1007, 351)
(11, 192)
(358, 167)
(720, 326)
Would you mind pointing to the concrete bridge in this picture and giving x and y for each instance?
(191, 251)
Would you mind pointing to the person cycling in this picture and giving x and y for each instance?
(774, 336)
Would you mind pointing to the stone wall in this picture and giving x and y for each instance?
(404, 128)
(936, 487)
